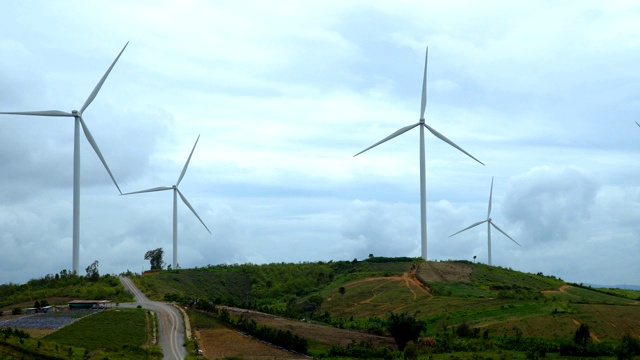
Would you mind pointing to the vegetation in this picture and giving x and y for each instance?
(155, 258)
(116, 333)
(461, 310)
(61, 287)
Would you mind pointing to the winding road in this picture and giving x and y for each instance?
(170, 322)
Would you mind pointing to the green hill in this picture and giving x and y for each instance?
(503, 309)
(443, 294)
(468, 308)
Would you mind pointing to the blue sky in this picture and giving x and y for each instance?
(284, 94)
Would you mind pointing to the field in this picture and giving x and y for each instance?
(115, 333)
(107, 330)
(218, 341)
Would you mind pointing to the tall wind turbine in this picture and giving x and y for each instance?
(78, 121)
(489, 225)
(176, 192)
(422, 124)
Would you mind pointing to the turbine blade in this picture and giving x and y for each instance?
(161, 188)
(40, 113)
(504, 233)
(399, 132)
(192, 209)
(184, 169)
(424, 86)
(443, 138)
(99, 85)
(490, 196)
(469, 227)
(637, 123)
(95, 147)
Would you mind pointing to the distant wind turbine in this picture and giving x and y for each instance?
(77, 115)
(637, 123)
(489, 225)
(422, 125)
(176, 192)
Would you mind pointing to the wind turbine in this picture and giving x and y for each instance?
(176, 192)
(422, 124)
(78, 121)
(489, 225)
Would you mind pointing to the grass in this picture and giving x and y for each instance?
(108, 330)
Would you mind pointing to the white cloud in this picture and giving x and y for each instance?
(284, 94)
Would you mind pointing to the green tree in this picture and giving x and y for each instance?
(404, 328)
(155, 258)
(92, 272)
(582, 335)
(342, 290)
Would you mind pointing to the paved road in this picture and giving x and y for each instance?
(171, 328)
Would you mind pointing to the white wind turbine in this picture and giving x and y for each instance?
(176, 192)
(422, 125)
(489, 225)
(78, 121)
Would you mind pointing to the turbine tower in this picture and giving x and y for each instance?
(176, 192)
(422, 124)
(78, 121)
(489, 225)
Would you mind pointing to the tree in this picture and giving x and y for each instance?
(404, 328)
(342, 290)
(582, 335)
(155, 258)
(92, 271)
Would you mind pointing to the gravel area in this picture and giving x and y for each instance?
(47, 321)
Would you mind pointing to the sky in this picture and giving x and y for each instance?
(284, 93)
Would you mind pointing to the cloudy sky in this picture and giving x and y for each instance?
(284, 93)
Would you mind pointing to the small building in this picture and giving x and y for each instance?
(31, 310)
(88, 304)
(49, 309)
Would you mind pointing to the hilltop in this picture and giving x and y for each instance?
(343, 307)
(442, 294)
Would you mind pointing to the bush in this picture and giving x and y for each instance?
(16, 311)
(628, 348)
(410, 351)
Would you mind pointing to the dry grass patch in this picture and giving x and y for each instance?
(431, 271)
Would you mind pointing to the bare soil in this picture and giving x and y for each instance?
(432, 271)
(222, 342)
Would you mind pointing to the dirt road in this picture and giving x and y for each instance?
(170, 322)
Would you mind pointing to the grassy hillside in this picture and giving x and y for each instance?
(265, 285)
(443, 294)
(59, 288)
(505, 310)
